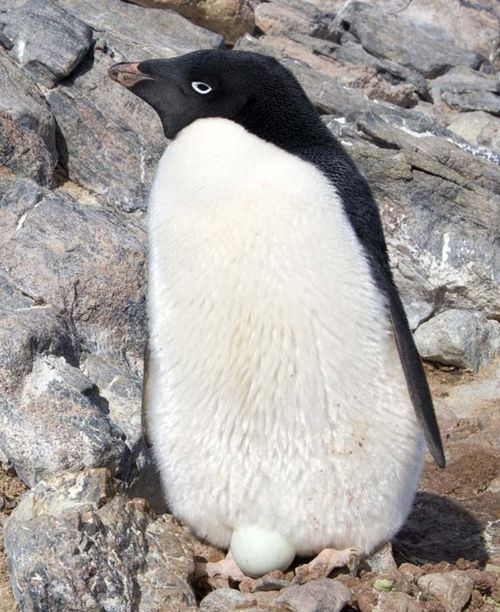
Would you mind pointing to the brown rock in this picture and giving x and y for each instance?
(452, 589)
(231, 18)
(397, 602)
(24, 152)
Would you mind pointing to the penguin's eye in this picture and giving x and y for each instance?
(200, 87)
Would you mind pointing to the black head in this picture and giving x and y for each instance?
(251, 89)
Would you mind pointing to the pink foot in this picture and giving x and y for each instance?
(226, 568)
(327, 560)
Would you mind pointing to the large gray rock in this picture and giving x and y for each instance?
(48, 41)
(387, 34)
(439, 206)
(122, 175)
(160, 32)
(82, 260)
(473, 25)
(464, 89)
(128, 130)
(55, 426)
(231, 18)
(459, 338)
(22, 103)
(106, 553)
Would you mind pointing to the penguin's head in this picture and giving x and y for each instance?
(251, 89)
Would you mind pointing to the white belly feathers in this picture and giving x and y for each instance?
(277, 394)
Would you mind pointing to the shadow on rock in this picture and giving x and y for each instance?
(439, 529)
(147, 483)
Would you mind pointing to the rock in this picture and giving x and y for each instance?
(121, 393)
(425, 166)
(474, 399)
(48, 369)
(48, 41)
(462, 79)
(465, 89)
(154, 31)
(473, 101)
(223, 600)
(316, 596)
(277, 18)
(474, 26)
(353, 53)
(231, 600)
(129, 130)
(22, 103)
(381, 560)
(452, 589)
(459, 338)
(273, 581)
(385, 34)
(83, 261)
(107, 553)
(231, 18)
(417, 293)
(398, 602)
(492, 537)
(25, 332)
(478, 128)
(55, 426)
(23, 152)
(86, 132)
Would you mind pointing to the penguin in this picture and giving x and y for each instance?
(287, 403)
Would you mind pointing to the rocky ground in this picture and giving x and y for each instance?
(411, 88)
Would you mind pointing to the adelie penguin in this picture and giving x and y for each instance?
(287, 403)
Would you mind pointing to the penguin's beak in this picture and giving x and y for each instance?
(127, 75)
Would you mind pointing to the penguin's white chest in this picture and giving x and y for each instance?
(277, 396)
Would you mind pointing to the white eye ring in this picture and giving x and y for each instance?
(201, 87)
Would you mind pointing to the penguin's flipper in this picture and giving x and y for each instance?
(145, 396)
(415, 378)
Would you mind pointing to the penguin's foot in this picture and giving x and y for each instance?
(327, 560)
(224, 570)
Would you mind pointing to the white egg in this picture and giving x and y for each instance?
(258, 551)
